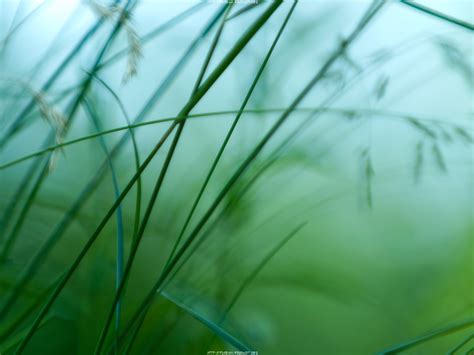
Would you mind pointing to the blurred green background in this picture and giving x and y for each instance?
(380, 181)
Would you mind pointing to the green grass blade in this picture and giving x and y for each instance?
(135, 151)
(249, 279)
(6, 307)
(439, 15)
(460, 345)
(188, 107)
(15, 27)
(120, 244)
(229, 134)
(374, 8)
(259, 268)
(392, 115)
(18, 122)
(430, 336)
(92, 184)
(88, 245)
(215, 328)
(157, 31)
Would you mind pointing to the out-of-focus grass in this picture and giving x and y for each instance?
(346, 230)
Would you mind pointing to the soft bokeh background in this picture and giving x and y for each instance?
(382, 258)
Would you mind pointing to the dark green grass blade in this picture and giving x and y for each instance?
(120, 243)
(440, 15)
(13, 326)
(374, 8)
(458, 347)
(6, 216)
(215, 328)
(249, 279)
(18, 122)
(157, 31)
(135, 151)
(227, 60)
(148, 37)
(433, 335)
(63, 224)
(135, 333)
(88, 245)
(149, 209)
(229, 134)
(200, 77)
(244, 10)
(163, 172)
(44, 171)
(225, 211)
(394, 115)
(15, 27)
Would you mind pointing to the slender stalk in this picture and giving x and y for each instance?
(436, 334)
(249, 279)
(138, 236)
(6, 217)
(19, 120)
(226, 61)
(229, 134)
(342, 111)
(440, 15)
(119, 215)
(460, 345)
(63, 224)
(44, 171)
(120, 244)
(365, 20)
(166, 165)
(86, 248)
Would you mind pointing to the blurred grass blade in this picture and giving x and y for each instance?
(15, 27)
(13, 326)
(18, 122)
(244, 9)
(460, 345)
(135, 151)
(11, 299)
(430, 336)
(461, 132)
(226, 61)
(120, 243)
(439, 15)
(39, 257)
(138, 237)
(216, 329)
(229, 134)
(370, 13)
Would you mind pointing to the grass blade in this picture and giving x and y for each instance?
(92, 184)
(374, 8)
(18, 122)
(216, 329)
(229, 134)
(460, 345)
(439, 15)
(120, 244)
(188, 107)
(44, 171)
(430, 336)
